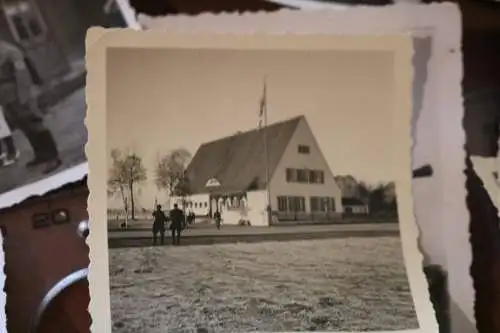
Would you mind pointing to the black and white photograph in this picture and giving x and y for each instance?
(435, 160)
(42, 142)
(42, 79)
(257, 189)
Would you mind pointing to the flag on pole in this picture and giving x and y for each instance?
(263, 106)
(263, 121)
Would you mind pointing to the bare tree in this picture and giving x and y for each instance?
(116, 181)
(171, 174)
(127, 171)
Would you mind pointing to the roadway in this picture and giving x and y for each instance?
(231, 234)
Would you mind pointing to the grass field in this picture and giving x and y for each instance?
(338, 284)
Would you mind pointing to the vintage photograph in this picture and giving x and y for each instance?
(257, 189)
(42, 78)
(450, 285)
(42, 138)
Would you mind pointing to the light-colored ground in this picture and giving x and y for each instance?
(338, 284)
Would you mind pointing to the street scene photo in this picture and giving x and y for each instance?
(254, 190)
(42, 79)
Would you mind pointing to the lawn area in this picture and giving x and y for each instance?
(352, 284)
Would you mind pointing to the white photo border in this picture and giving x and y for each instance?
(99, 40)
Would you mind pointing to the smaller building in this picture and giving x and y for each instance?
(355, 206)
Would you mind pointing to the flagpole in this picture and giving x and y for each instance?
(266, 152)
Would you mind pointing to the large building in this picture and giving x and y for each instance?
(231, 175)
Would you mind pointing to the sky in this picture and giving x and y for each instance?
(162, 99)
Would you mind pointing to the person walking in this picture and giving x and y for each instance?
(177, 219)
(21, 110)
(218, 219)
(159, 220)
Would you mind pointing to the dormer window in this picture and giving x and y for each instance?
(212, 182)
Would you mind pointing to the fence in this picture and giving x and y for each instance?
(332, 217)
(119, 214)
(140, 214)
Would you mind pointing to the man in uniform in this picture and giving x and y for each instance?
(177, 220)
(21, 108)
(159, 220)
(218, 219)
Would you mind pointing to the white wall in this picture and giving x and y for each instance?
(255, 210)
(314, 160)
(257, 202)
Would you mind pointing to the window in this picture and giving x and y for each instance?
(212, 182)
(325, 204)
(206, 204)
(316, 177)
(331, 207)
(291, 175)
(319, 204)
(322, 204)
(282, 204)
(303, 149)
(314, 203)
(195, 205)
(25, 21)
(321, 176)
(291, 204)
(296, 204)
(302, 176)
(305, 176)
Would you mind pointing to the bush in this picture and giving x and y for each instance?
(243, 223)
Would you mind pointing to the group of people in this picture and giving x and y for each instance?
(177, 221)
(19, 109)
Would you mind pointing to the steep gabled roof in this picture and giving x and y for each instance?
(237, 162)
